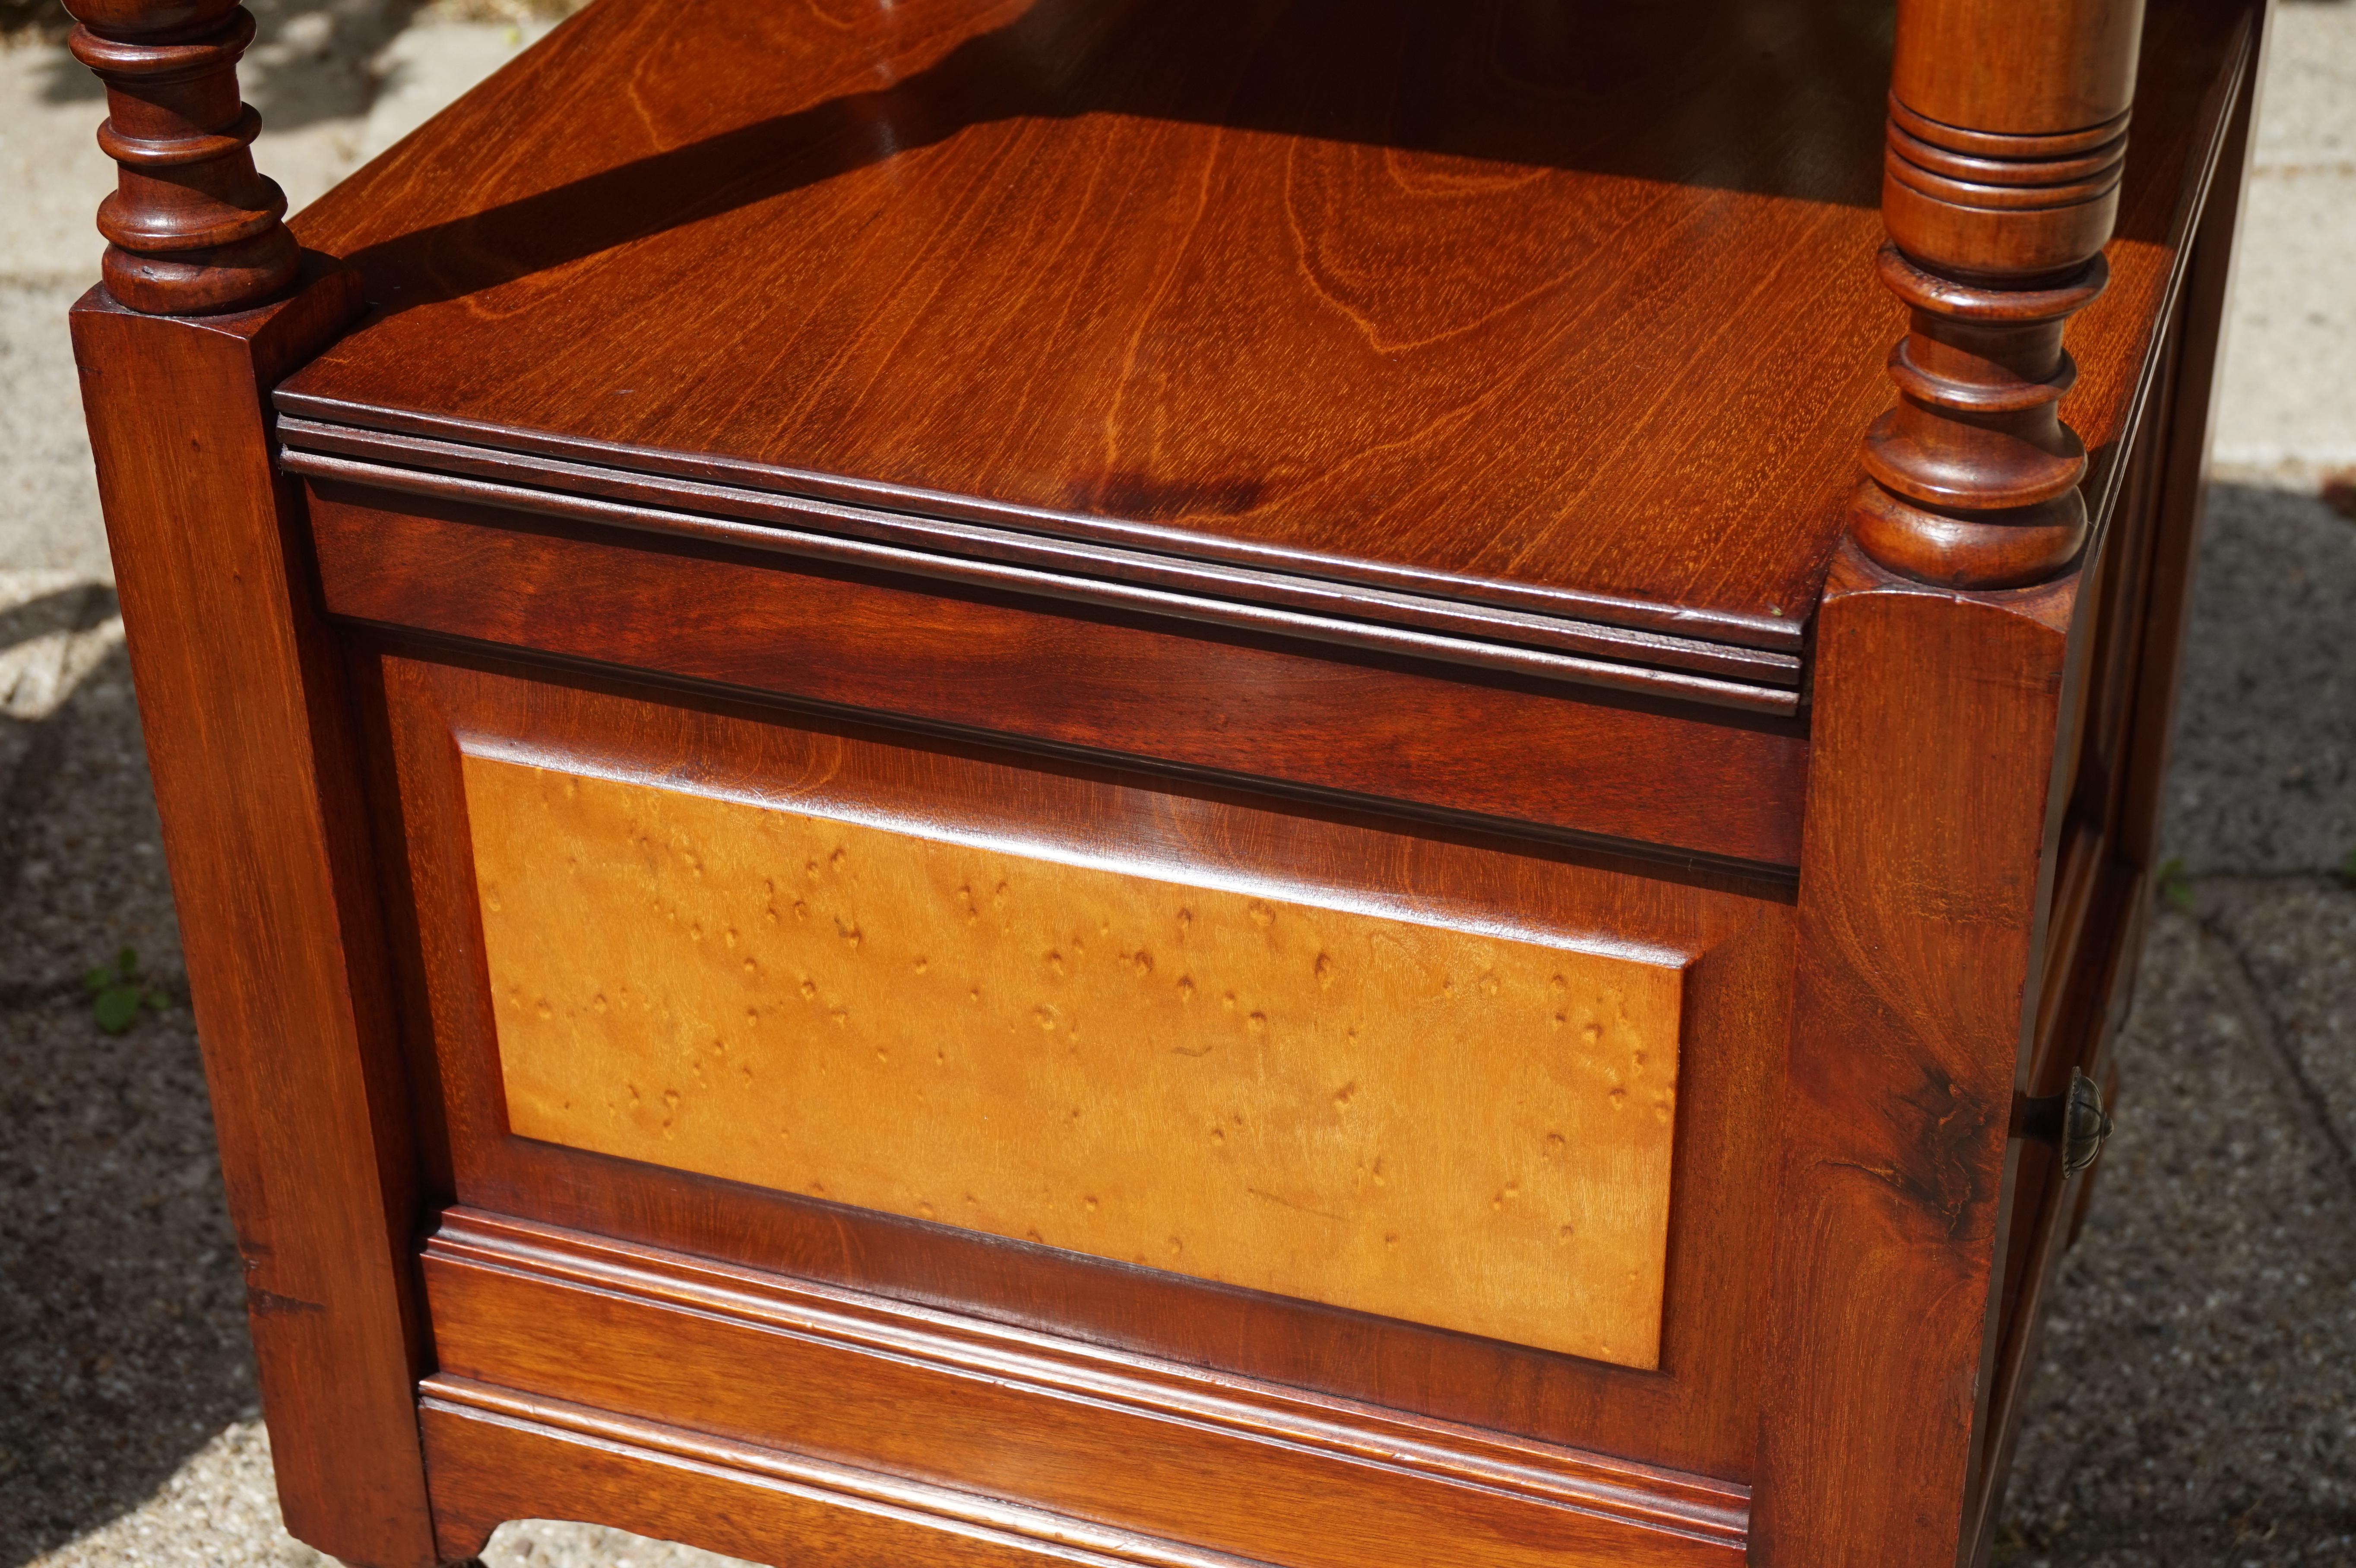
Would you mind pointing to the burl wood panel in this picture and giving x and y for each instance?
(1466, 1128)
(1566, 308)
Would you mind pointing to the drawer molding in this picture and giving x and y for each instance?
(657, 1336)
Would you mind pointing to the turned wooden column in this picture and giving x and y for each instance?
(191, 228)
(2007, 134)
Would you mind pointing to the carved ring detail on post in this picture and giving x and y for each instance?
(1999, 206)
(1972, 480)
(1996, 240)
(191, 228)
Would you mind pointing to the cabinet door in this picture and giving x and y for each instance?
(1097, 1143)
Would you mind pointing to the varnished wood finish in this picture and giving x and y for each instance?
(970, 1418)
(1982, 65)
(256, 774)
(2105, 892)
(1692, 785)
(2096, 668)
(1440, 298)
(192, 226)
(1382, 463)
(2143, 674)
(2007, 146)
(1920, 904)
(497, 1457)
(1695, 1415)
(1972, 479)
(1465, 1128)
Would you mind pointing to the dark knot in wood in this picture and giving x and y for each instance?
(191, 228)
(1972, 479)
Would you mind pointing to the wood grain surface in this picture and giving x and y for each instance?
(496, 1453)
(1698, 788)
(2138, 599)
(1468, 1128)
(257, 769)
(191, 228)
(1930, 858)
(1050, 571)
(499, 1455)
(1451, 298)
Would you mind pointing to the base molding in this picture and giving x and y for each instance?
(677, 1397)
(492, 1450)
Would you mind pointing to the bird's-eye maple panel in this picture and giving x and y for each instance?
(1468, 1128)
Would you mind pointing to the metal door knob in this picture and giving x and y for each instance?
(2073, 1121)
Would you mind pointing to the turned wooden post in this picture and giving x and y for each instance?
(191, 228)
(2007, 134)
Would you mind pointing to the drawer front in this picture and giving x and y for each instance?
(1669, 779)
(1469, 1128)
(1437, 1122)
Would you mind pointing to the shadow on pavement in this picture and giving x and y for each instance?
(2263, 779)
(122, 1344)
(310, 59)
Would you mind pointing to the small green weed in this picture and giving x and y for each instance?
(116, 993)
(2348, 870)
(2175, 883)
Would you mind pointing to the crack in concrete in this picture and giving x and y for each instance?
(2253, 1001)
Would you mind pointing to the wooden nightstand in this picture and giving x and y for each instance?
(1145, 783)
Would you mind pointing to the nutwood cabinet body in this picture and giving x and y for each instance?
(1176, 784)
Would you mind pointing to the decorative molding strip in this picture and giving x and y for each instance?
(746, 1468)
(1656, 1515)
(2007, 148)
(1987, 205)
(1046, 568)
(1464, 594)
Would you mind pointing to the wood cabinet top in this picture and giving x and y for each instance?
(1568, 308)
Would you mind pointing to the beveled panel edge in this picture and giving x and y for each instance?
(1606, 616)
(1030, 581)
(609, 766)
(1704, 1509)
